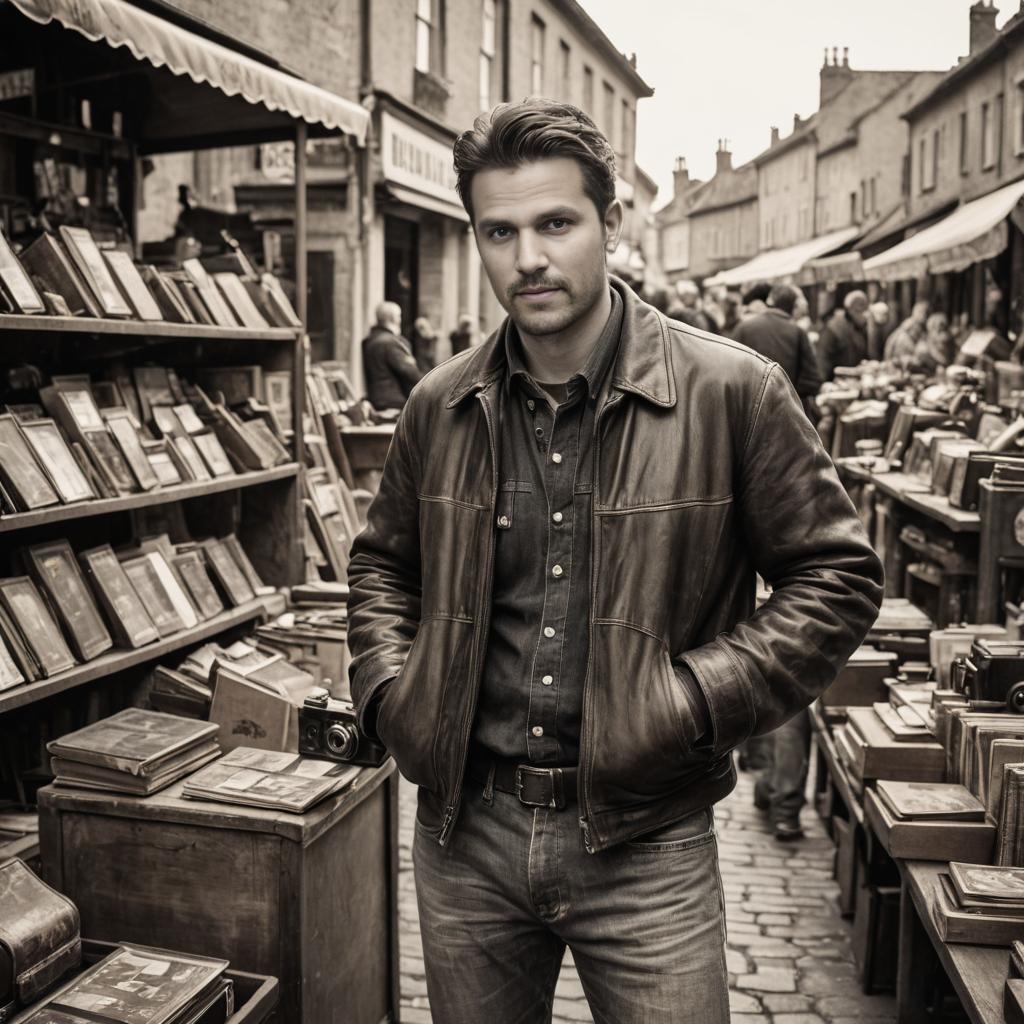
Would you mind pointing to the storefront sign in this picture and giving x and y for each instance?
(15, 85)
(416, 160)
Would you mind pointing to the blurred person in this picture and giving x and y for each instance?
(424, 344)
(781, 786)
(901, 345)
(774, 334)
(388, 363)
(844, 340)
(935, 350)
(880, 326)
(755, 299)
(462, 337)
(731, 303)
(687, 309)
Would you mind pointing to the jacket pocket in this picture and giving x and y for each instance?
(413, 711)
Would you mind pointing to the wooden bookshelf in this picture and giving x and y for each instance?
(117, 660)
(142, 328)
(160, 496)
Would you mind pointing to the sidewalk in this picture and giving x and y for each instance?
(789, 951)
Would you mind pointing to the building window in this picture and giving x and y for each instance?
(424, 34)
(874, 196)
(609, 115)
(864, 208)
(537, 56)
(564, 58)
(853, 207)
(988, 138)
(588, 90)
(964, 151)
(487, 51)
(936, 146)
(627, 129)
(926, 162)
(1018, 140)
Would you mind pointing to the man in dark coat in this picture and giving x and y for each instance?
(844, 341)
(388, 363)
(776, 335)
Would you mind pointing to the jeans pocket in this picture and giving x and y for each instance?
(689, 833)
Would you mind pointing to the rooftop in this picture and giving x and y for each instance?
(727, 189)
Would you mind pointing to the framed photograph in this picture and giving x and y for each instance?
(127, 275)
(213, 454)
(241, 557)
(89, 262)
(172, 585)
(54, 455)
(238, 299)
(50, 268)
(278, 387)
(124, 610)
(111, 462)
(119, 423)
(16, 286)
(143, 577)
(153, 387)
(191, 567)
(10, 674)
(82, 407)
(168, 298)
(56, 572)
(209, 293)
(188, 418)
(236, 383)
(227, 572)
(25, 605)
(22, 476)
(164, 467)
(165, 421)
(191, 457)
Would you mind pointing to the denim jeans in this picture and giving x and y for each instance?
(498, 906)
(784, 778)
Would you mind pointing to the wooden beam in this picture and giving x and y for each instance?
(301, 265)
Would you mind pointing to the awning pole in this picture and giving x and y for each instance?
(301, 267)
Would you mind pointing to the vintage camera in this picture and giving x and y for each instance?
(993, 671)
(327, 728)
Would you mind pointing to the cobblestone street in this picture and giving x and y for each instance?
(789, 951)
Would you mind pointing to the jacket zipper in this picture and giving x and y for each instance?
(452, 810)
(583, 782)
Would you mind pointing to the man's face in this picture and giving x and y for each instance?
(542, 242)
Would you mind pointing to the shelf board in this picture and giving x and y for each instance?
(117, 660)
(160, 496)
(141, 328)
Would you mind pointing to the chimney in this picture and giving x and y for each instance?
(775, 132)
(680, 177)
(983, 25)
(833, 75)
(723, 158)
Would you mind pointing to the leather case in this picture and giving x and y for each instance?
(40, 937)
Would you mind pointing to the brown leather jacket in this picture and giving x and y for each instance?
(706, 471)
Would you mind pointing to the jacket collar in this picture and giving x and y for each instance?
(643, 364)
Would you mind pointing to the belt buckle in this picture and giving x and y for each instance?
(549, 773)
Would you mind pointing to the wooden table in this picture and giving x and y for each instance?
(978, 973)
(310, 898)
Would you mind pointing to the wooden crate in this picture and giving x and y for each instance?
(310, 899)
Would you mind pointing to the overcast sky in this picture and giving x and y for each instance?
(734, 68)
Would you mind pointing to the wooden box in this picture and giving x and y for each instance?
(874, 754)
(875, 932)
(310, 899)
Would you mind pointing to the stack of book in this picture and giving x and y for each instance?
(897, 747)
(137, 984)
(1013, 993)
(269, 779)
(981, 904)
(314, 637)
(134, 751)
(1010, 845)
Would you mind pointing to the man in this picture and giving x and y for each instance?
(901, 345)
(551, 605)
(687, 307)
(775, 335)
(462, 337)
(388, 362)
(844, 340)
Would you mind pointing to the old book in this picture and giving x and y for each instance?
(58, 461)
(878, 756)
(239, 300)
(213, 454)
(268, 779)
(164, 467)
(90, 776)
(16, 287)
(958, 925)
(210, 294)
(191, 568)
(134, 289)
(931, 800)
(986, 885)
(20, 650)
(277, 304)
(22, 476)
(126, 435)
(51, 269)
(227, 572)
(147, 583)
(165, 291)
(927, 839)
(135, 741)
(36, 626)
(153, 386)
(1002, 753)
(900, 729)
(121, 604)
(234, 546)
(93, 269)
(10, 673)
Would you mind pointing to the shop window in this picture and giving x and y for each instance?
(565, 68)
(965, 160)
(487, 51)
(588, 89)
(537, 37)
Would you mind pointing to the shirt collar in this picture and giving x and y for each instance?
(598, 362)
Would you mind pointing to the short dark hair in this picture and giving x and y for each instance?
(536, 129)
(783, 296)
(757, 293)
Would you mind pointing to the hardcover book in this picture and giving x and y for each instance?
(122, 606)
(934, 800)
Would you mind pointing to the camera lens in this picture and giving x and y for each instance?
(342, 741)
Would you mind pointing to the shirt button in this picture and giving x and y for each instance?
(557, 517)
(549, 632)
(547, 680)
(503, 522)
(556, 458)
(537, 731)
(556, 570)
(531, 404)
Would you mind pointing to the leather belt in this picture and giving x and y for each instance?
(535, 787)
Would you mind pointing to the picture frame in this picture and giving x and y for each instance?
(55, 571)
(278, 302)
(153, 388)
(237, 298)
(20, 472)
(134, 289)
(191, 457)
(191, 567)
(209, 293)
(189, 418)
(122, 429)
(164, 467)
(54, 274)
(168, 296)
(16, 286)
(88, 260)
(58, 461)
(111, 462)
(242, 560)
(27, 610)
(166, 421)
(146, 583)
(124, 610)
(237, 384)
(227, 573)
(10, 674)
(172, 585)
(82, 407)
(213, 454)
(24, 657)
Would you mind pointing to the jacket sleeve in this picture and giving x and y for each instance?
(808, 381)
(384, 576)
(807, 541)
(403, 365)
